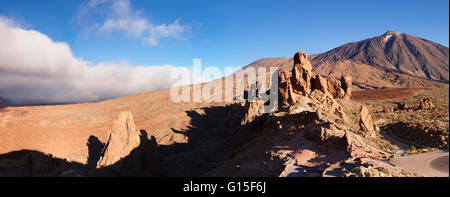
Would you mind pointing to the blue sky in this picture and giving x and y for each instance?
(231, 33)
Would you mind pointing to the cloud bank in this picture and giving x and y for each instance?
(35, 70)
(120, 16)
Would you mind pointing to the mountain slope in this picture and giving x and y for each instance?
(394, 52)
(388, 60)
(3, 102)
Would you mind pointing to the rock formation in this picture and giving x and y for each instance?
(122, 139)
(402, 106)
(426, 103)
(310, 101)
(300, 82)
(311, 122)
(341, 88)
(334, 87)
(128, 151)
(301, 74)
(285, 93)
(346, 85)
(253, 110)
(320, 83)
(367, 127)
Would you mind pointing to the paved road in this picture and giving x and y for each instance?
(431, 164)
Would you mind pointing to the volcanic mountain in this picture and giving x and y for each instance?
(389, 60)
(223, 138)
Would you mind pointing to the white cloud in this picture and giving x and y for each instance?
(35, 69)
(119, 15)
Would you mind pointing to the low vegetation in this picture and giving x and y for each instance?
(426, 127)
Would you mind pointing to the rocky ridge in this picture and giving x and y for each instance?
(310, 123)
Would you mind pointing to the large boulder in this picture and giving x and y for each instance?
(367, 127)
(286, 96)
(319, 83)
(334, 88)
(122, 139)
(346, 85)
(301, 74)
(129, 152)
(340, 88)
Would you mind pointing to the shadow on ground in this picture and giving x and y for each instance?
(205, 148)
(142, 161)
(218, 145)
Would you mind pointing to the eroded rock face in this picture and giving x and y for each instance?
(309, 118)
(319, 83)
(334, 87)
(325, 102)
(253, 110)
(367, 127)
(346, 85)
(340, 88)
(285, 92)
(301, 74)
(329, 136)
(300, 82)
(426, 103)
(123, 137)
(129, 152)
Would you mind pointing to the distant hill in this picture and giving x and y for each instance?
(389, 60)
(3, 102)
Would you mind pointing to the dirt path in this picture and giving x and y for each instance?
(399, 145)
(431, 164)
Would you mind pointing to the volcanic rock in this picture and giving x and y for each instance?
(142, 161)
(426, 103)
(253, 110)
(329, 136)
(323, 97)
(299, 82)
(309, 120)
(348, 140)
(301, 74)
(325, 102)
(367, 127)
(129, 152)
(319, 83)
(346, 85)
(123, 137)
(402, 106)
(334, 87)
(285, 92)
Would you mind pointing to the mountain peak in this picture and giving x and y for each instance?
(390, 32)
(394, 52)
